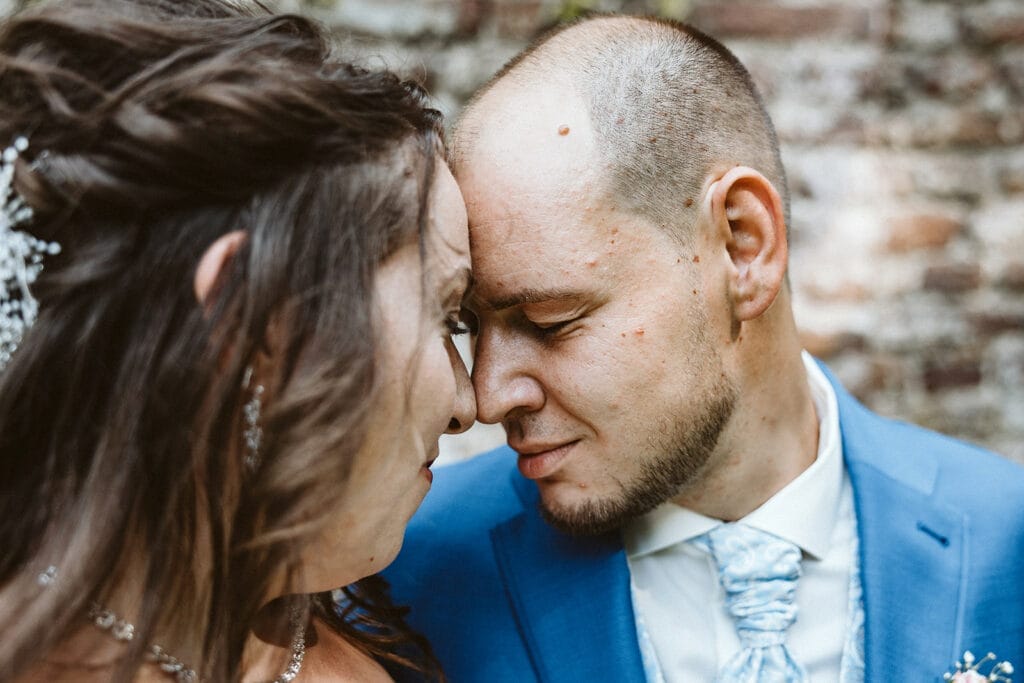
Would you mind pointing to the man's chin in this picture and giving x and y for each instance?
(579, 511)
(588, 517)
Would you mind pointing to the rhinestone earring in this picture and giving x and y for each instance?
(253, 433)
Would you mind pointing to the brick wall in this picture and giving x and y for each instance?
(901, 123)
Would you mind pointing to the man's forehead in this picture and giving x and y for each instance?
(558, 227)
(517, 134)
(517, 262)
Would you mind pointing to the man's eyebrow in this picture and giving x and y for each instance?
(529, 295)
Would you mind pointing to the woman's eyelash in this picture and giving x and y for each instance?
(462, 321)
(458, 325)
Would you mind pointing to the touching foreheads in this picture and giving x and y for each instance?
(668, 105)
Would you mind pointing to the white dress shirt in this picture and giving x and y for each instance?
(676, 593)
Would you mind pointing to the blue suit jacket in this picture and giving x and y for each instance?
(504, 597)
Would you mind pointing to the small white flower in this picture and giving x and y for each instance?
(968, 671)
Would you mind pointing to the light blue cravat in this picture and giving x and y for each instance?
(758, 572)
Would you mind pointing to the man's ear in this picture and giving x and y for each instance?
(217, 255)
(746, 211)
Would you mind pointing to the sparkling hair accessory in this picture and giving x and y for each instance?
(21, 259)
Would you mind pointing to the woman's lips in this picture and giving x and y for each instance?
(540, 464)
(426, 471)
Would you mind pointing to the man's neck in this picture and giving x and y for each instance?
(771, 439)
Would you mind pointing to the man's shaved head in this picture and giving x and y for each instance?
(667, 105)
(627, 234)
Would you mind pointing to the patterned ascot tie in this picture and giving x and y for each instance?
(758, 572)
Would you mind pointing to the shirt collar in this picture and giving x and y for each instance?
(803, 512)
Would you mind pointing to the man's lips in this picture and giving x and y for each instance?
(539, 461)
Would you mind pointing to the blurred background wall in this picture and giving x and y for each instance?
(902, 130)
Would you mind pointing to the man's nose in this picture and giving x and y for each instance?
(464, 410)
(504, 376)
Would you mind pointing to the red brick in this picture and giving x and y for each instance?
(976, 129)
(848, 129)
(951, 373)
(885, 81)
(1012, 277)
(987, 27)
(950, 76)
(880, 373)
(992, 323)
(471, 17)
(953, 278)
(1012, 180)
(768, 20)
(521, 19)
(922, 231)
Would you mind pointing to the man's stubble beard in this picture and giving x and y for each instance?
(680, 460)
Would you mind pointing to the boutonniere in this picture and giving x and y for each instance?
(969, 670)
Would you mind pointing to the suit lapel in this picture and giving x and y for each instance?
(912, 550)
(570, 596)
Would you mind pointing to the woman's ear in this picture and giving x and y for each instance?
(216, 256)
(747, 213)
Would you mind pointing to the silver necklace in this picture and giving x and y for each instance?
(124, 631)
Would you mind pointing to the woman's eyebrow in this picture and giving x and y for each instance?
(458, 284)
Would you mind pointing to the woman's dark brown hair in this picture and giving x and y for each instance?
(156, 127)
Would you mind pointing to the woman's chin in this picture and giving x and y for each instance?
(323, 575)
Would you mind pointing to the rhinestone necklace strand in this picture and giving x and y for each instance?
(124, 631)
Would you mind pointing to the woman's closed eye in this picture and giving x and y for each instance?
(460, 322)
(455, 326)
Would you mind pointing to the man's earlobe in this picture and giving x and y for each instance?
(748, 213)
(213, 261)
